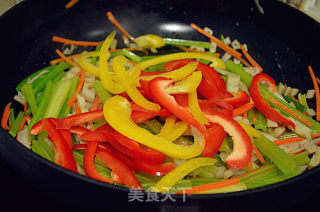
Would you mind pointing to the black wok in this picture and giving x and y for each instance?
(283, 40)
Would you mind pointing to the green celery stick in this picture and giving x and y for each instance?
(206, 61)
(132, 56)
(33, 75)
(52, 74)
(297, 104)
(267, 94)
(261, 123)
(58, 98)
(28, 93)
(205, 172)
(58, 77)
(42, 148)
(154, 125)
(239, 70)
(155, 68)
(11, 116)
(114, 54)
(16, 124)
(188, 43)
(183, 140)
(232, 188)
(65, 110)
(47, 94)
(101, 91)
(148, 57)
(222, 38)
(250, 116)
(280, 158)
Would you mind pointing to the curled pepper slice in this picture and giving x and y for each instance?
(158, 88)
(117, 112)
(186, 85)
(242, 148)
(261, 104)
(169, 180)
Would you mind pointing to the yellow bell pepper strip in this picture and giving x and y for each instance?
(118, 67)
(195, 108)
(139, 99)
(177, 74)
(186, 85)
(242, 148)
(105, 76)
(86, 65)
(171, 129)
(216, 62)
(117, 112)
(149, 41)
(169, 180)
(158, 91)
(252, 132)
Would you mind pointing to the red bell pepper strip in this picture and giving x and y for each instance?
(239, 100)
(214, 139)
(88, 164)
(261, 104)
(125, 174)
(79, 130)
(141, 115)
(242, 148)
(74, 120)
(152, 169)
(134, 150)
(212, 77)
(158, 90)
(62, 147)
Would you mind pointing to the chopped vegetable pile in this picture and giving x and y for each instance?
(166, 122)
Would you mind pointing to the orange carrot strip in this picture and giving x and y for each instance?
(258, 154)
(78, 89)
(74, 42)
(288, 140)
(258, 169)
(114, 21)
(25, 108)
(5, 116)
(249, 58)
(221, 45)
(210, 186)
(67, 60)
(95, 104)
(59, 60)
(71, 3)
(315, 135)
(250, 165)
(196, 51)
(316, 88)
(243, 109)
(254, 118)
(245, 115)
(293, 113)
(77, 109)
(23, 123)
(29, 117)
(244, 61)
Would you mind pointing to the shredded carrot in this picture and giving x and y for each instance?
(66, 59)
(245, 115)
(258, 154)
(25, 108)
(196, 51)
(318, 80)
(210, 186)
(293, 113)
(95, 104)
(5, 116)
(249, 58)
(244, 62)
(23, 123)
(71, 3)
(74, 42)
(114, 21)
(243, 109)
(253, 171)
(59, 60)
(316, 88)
(78, 89)
(315, 135)
(76, 108)
(254, 118)
(221, 45)
(288, 140)
(29, 117)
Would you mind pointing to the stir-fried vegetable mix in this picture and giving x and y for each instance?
(140, 118)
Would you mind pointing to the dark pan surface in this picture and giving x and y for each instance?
(283, 40)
